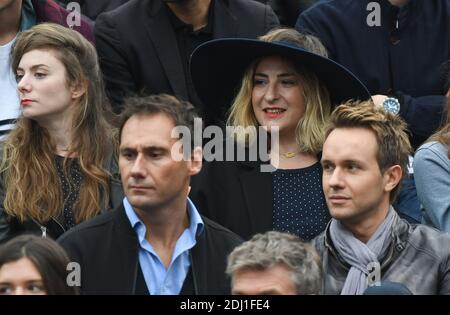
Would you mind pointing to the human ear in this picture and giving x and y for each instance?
(392, 177)
(195, 164)
(78, 89)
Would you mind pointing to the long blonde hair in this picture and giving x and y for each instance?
(443, 134)
(310, 131)
(31, 183)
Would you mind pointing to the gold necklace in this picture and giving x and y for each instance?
(289, 154)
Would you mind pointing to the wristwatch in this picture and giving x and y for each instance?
(392, 105)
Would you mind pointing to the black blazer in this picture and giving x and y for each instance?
(107, 250)
(236, 194)
(138, 49)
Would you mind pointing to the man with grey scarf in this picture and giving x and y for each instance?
(364, 157)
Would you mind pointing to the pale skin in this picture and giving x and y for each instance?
(275, 280)
(277, 86)
(156, 185)
(356, 190)
(46, 97)
(10, 13)
(21, 278)
(194, 12)
(399, 3)
(379, 99)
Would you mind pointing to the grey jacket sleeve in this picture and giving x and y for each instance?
(432, 177)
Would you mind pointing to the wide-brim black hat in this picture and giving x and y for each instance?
(217, 68)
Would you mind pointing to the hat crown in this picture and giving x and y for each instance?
(289, 43)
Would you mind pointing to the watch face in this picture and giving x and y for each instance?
(391, 105)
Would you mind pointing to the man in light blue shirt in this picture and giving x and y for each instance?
(156, 241)
(159, 279)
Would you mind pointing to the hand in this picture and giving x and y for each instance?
(379, 99)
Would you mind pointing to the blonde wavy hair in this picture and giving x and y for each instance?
(443, 134)
(30, 179)
(310, 131)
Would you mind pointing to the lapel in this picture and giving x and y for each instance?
(225, 23)
(199, 264)
(258, 195)
(164, 40)
(127, 257)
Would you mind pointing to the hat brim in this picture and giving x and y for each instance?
(217, 68)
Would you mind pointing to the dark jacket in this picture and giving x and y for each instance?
(11, 227)
(419, 258)
(235, 194)
(289, 10)
(107, 250)
(410, 62)
(138, 49)
(50, 11)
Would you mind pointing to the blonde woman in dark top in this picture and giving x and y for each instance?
(283, 80)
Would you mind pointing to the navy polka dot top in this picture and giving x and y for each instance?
(298, 201)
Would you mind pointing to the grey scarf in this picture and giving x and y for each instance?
(359, 255)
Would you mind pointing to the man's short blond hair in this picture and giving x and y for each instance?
(390, 131)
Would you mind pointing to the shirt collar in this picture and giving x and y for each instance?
(196, 225)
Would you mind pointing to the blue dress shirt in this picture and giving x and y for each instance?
(159, 280)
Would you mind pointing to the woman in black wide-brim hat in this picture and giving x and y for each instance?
(278, 84)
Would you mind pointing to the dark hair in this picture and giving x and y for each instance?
(181, 112)
(47, 256)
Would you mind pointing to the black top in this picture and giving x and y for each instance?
(299, 205)
(70, 188)
(143, 56)
(188, 40)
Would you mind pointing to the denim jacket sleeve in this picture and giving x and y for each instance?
(432, 177)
